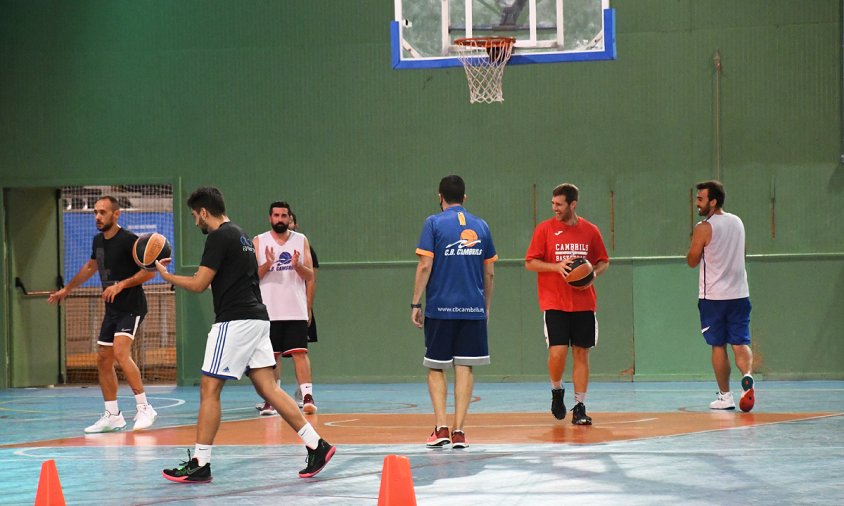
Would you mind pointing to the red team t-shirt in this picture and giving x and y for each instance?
(552, 242)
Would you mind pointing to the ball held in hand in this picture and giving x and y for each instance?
(581, 273)
(149, 248)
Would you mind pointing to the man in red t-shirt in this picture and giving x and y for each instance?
(568, 312)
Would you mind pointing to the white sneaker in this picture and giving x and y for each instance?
(107, 423)
(298, 396)
(144, 417)
(723, 401)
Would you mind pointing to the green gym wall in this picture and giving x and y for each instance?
(297, 101)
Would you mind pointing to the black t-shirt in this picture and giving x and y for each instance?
(116, 263)
(237, 295)
(314, 258)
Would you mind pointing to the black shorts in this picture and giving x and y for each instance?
(124, 324)
(312, 337)
(579, 328)
(289, 336)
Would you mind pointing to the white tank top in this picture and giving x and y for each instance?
(722, 272)
(282, 289)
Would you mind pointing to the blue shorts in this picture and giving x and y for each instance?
(725, 322)
(455, 342)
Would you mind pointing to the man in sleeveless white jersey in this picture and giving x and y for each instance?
(284, 267)
(724, 296)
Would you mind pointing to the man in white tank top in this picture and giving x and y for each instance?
(724, 297)
(284, 267)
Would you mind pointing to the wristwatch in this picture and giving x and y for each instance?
(416, 306)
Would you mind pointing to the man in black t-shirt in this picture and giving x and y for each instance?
(125, 308)
(239, 341)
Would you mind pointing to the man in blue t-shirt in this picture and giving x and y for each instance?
(455, 271)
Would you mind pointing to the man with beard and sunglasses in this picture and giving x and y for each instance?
(239, 340)
(125, 308)
(285, 266)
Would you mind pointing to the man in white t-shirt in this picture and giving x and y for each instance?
(718, 245)
(284, 267)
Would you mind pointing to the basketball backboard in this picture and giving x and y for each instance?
(546, 31)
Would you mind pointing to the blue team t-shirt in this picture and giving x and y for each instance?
(460, 244)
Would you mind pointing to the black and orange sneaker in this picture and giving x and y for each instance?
(458, 440)
(189, 472)
(438, 438)
(748, 397)
(558, 407)
(317, 459)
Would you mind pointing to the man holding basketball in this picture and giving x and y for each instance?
(239, 340)
(724, 296)
(125, 308)
(455, 271)
(569, 313)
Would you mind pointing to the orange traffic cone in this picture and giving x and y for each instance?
(396, 483)
(49, 487)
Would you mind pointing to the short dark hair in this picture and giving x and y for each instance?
(714, 190)
(293, 217)
(280, 203)
(115, 205)
(210, 198)
(452, 189)
(570, 191)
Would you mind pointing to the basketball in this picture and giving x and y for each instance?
(149, 248)
(580, 273)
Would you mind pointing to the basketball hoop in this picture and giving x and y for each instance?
(484, 59)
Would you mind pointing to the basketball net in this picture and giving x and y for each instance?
(484, 59)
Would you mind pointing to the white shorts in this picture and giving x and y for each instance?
(235, 347)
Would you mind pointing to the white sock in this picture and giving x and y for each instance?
(111, 407)
(141, 398)
(309, 436)
(202, 453)
(557, 386)
(307, 389)
(579, 397)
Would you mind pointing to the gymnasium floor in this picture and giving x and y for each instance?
(652, 443)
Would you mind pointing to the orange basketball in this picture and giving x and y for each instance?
(580, 274)
(149, 248)
(469, 237)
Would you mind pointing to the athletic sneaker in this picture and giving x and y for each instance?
(579, 416)
(265, 409)
(748, 397)
(144, 417)
(558, 407)
(723, 401)
(107, 423)
(438, 438)
(189, 472)
(317, 459)
(298, 397)
(308, 404)
(458, 440)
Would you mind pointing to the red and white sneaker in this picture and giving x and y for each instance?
(748, 397)
(308, 404)
(458, 440)
(438, 438)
